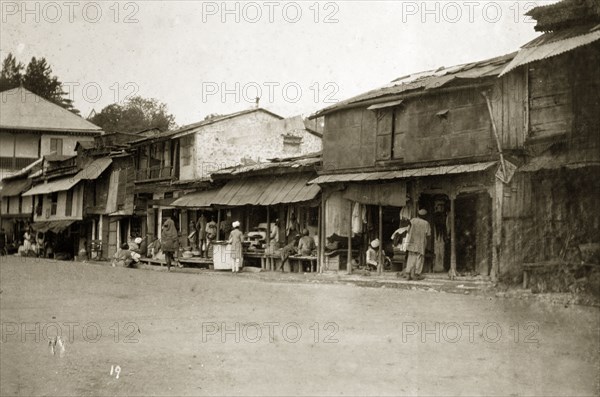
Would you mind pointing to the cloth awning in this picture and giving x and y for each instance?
(386, 194)
(402, 174)
(57, 185)
(201, 199)
(51, 226)
(554, 43)
(14, 188)
(280, 189)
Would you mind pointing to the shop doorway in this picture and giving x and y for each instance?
(473, 221)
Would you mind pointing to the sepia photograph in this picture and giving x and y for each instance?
(300, 198)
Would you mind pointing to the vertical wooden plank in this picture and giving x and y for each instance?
(380, 266)
(323, 231)
(349, 259)
(218, 224)
(319, 237)
(452, 237)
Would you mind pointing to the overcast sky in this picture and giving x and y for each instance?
(202, 57)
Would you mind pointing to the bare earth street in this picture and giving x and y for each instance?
(223, 334)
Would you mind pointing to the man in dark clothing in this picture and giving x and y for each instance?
(289, 250)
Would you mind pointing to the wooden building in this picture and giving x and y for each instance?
(502, 153)
(550, 211)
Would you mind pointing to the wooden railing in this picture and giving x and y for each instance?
(152, 173)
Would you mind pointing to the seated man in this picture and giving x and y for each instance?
(306, 244)
(289, 250)
(373, 255)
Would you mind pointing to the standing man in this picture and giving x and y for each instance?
(416, 243)
(236, 237)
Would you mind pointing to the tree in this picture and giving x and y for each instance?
(11, 75)
(136, 114)
(38, 79)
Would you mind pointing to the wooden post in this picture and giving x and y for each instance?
(268, 248)
(349, 259)
(452, 272)
(323, 233)
(218, 223)
(319, 226)
(380, 265)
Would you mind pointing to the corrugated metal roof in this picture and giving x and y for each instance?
(95, 169)
(58, 185)
(385, 105)
(202, 199)
(426, 80)
(14, 188)
(555, 43)
(311, 160)
(401, 174)
(267, 191)
(21, 109)
(91, 172)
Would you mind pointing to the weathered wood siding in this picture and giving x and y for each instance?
(447, 126)
(433, 127)
(349, 139)
(509, 103)
(550, 97)
(586, 102)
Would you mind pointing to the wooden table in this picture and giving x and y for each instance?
(300, 258)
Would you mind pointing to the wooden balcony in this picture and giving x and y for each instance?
(155, 174)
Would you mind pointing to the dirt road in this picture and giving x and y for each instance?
(222, 334)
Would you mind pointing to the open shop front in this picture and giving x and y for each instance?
(363, 215)
(274, 213)
(361, 208)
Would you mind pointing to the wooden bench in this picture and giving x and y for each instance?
(301, 258)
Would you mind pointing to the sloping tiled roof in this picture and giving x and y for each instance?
(424, 81)
(21, 109)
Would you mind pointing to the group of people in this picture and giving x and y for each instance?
(34, 244)
(133, 251)
(414, 243)
(204, 232)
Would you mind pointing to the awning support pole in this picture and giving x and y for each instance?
(219, 223)
(320, 235)
(349, 259)
(452, 272)
(268, 249)
(380, 266)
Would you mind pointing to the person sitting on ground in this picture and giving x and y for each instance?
(306, 244)
(135, 246)
(373, 255)
(144, 247)
(123, 256)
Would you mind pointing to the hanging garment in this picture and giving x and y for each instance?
(357, 219)
(439, 250)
